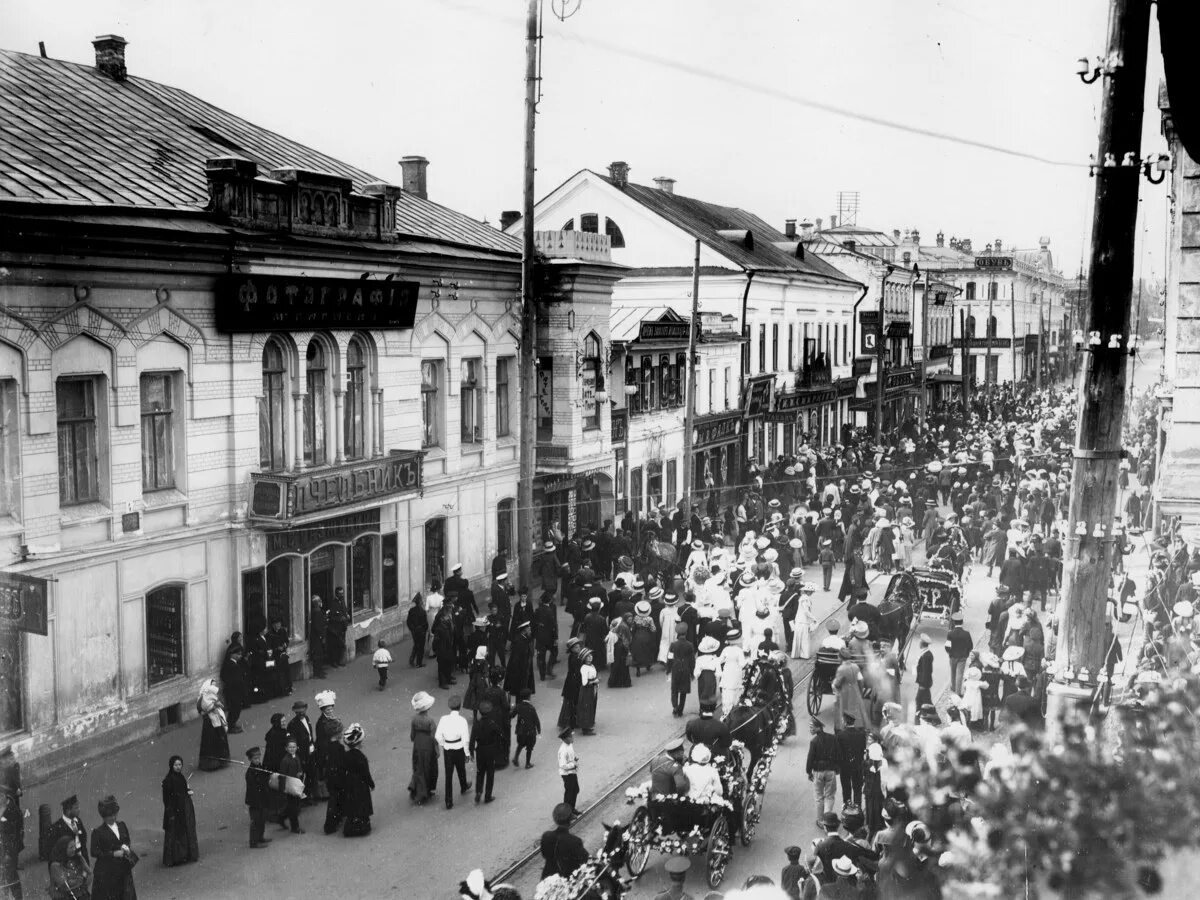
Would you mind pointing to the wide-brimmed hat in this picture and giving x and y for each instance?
(700, 754)
(795, 543)
(697, 544)
(762, 543)
(642, 607)
(773, 504)
(860, 629)
(354, 735)
(797, 572)
(709, 645)
(670, 599)
(771, 554)
(1013, 653)
(1183, 609)
(422, 701)
(656, 593)
(325, 698)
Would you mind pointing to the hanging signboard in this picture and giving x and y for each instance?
(265, 302)
(758, 395)
(993, 262)
(24, 603)
(663, 331)
(868, 328)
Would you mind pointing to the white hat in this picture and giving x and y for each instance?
(1195, 579)
(1012, 654)
(860, 629)
(502, 576)
(700, 754)
(875, 752)
(456, 567)
(843, 865)
(422, 701)
(709, 645)
(326, 698)
(762, 543)
(481, 652)
(771, 554)
(1183, 609)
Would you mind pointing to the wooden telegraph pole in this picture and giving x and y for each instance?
(880, 331)
(528, 407)
(1088, 558)
(966, 355)
(689, 475)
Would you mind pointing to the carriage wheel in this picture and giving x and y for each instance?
(638, 836)
(752, 802)
(720, 849)
(814, 695)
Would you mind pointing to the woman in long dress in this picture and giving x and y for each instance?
(668, 616)
(886, 547)
(802, 625)
(644, 645)
(214, 739)
(179, 817)
(112, 876)
(847, 687)
(907, 540)
(424, 752)
(619, 639)
(357, 785)
(589, 689)
(873, 788)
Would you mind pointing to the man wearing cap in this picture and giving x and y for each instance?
(958, 647)
(667, 780)
(70, 825)
(547, 568)
(300, 730)
(822, 766)
(852, 749)
(924, 676)
(681, 661)
(518, 675)
(676, 868)
(500, 593)
(562, 851)
(456, 586)
(545, 633)
(257, 798)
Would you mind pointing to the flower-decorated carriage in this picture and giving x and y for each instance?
(681, 827)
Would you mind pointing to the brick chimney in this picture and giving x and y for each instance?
(806, 229)
(818, 224)
(896, 235)
(789, 229)
(413, 171)
(916, 237)
(664, 184)
(941, 239)
(618, 171)
(110, 56)
(832, 222)
(508, 217)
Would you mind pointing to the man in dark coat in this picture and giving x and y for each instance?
(595, 633)
(488, 748)
(866, 611)
(300, 729)
(498, 594)
(709, 731)
(418, 629)
(681, 663)
(444, 646)
(318, 633)
(852, 748)
(562, 851)
(545, 632)
(456, 586)
(339, 621)
(258, 797)
(1012, 574)
(69, 825)
(518, 676)
(854, 577)
(924, 674)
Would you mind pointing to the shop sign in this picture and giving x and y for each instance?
(983, 343)
(758, 395)
(620, 425)
(24, 603)
(868, 329)
(284, 497)
(717, 430)
(895, 380)
(993, 262)
(568, 482)
(334, 530)
(846, 387)
(663, 331)
(861, 366)
(899, 329)
(266, 302)
(939, 351)
(801, 399)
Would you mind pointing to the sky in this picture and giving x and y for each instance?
(703, 91)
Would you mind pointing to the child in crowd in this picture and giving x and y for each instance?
(381, 660)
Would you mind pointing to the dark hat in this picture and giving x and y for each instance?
(677, 867)
(254, 751)
(829, 820)
(562, 814)
(108, 807)
(276, 718)
(793, 853)
(566, 732)
(69, 802)
(299, 705)
(524, 694)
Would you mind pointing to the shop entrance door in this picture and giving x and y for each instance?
(320, 576)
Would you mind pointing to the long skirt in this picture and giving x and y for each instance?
(801, 640)
(179, 841)
(618, 672)
(214, 746)
(873, 800)
(424, 771)
(585, 711)
(567, 715)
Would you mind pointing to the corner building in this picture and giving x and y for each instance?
(234, 373)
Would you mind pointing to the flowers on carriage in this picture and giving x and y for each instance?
(680, 844)
(582, 880)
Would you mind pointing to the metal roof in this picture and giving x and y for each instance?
(624, 322)
(69, 134)
(705, 221)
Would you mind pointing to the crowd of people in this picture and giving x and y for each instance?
(697, 594)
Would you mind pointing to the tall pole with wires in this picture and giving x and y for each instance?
(1089, 555)
(690, 409)
(528, 407)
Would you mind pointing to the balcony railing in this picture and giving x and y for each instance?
(573, 245)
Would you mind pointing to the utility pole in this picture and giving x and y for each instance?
(1038, 375)
(690, 409)
(528, 450)
(879, 357)
(1012, 327)
(989, 337)
(1088, 557)
(966, 353)
(924, 363)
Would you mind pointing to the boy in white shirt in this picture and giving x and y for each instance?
(381, 660)
(568, 768)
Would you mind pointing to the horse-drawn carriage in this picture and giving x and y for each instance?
(940, 590)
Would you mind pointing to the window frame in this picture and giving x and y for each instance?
(470, 401)
(273, 410)
(180, 599)
(89, 422)
(315, 442)
(164, 435)
(506, 529)
(10, 448)
(354, 404)
(774, 346)
(762, 348)
(431, 387)
(591, 363)
(504, 367)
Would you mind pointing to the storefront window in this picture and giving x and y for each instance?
(654, 483)
(362, 558)
(279, 595)
(164, 633)
(435, 550)
(390, 581)
(506, 528)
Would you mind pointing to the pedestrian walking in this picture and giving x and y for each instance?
(589, 694)
(257, 798)
(423, 782)
(529, 726)
(234, 683)
(570, 688)
(214, 738)
(12, 822)
(452, 735)
(822, 766)
(301, 729)
(380, 661)
(418, 629)
(518, 674)
(112, 877)
(826, 558)
(487, 747)
(545, 630)
(337, 618)
(681, 663)
(562, 852)
(318, 634)
(852, 749)
(568, 768)
(290, 767)
(848, 690)
(328, 731)
(180, 844)
(924, 677)
(357, 785)
(275, 742)
(958, 647)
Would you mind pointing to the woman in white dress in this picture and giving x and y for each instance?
(908, 539)
(733, 661)
(802, 625)
(972, 697)
(667, 617)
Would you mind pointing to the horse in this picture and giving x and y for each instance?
(753, 722)
(602, 871)
(900, 605)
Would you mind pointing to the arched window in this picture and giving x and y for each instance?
(991, 326)
(970, 326)
(316, 376)
(355, 410)
(592, 381)
(272, 409)
(435, 550)
(569, 226)
(614, 233)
